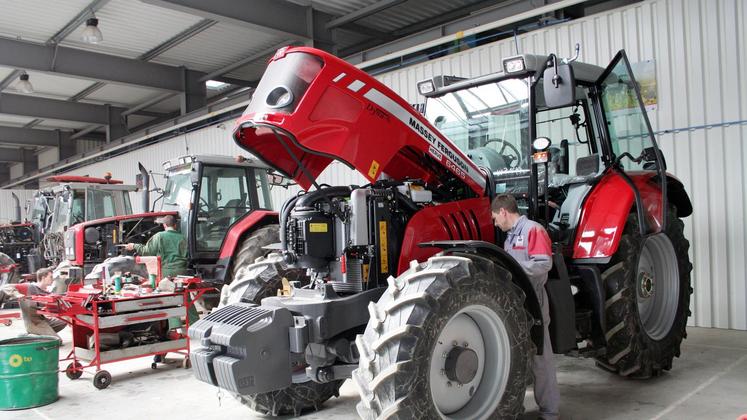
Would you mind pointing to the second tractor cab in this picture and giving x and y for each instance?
(223, 207)
(410, 293)
(37, 241)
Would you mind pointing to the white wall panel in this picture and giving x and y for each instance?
(700, 48)
(213, 140)
(49, 156)
(16, 170)
(7, 204)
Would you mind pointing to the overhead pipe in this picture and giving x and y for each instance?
(144, 184)
(17, 208)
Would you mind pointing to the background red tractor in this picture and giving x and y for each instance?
(223, 208)
(37, 240)
(404, 274)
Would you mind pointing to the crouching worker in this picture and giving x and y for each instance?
(32, 320)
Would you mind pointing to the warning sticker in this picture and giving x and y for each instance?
(373, 170)
(318, 227)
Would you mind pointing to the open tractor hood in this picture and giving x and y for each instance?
(311, 107)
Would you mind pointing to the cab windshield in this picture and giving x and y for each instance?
(490, 123)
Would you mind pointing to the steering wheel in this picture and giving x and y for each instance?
(513, 158)
(204, 207)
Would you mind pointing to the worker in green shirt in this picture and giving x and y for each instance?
(169, 244)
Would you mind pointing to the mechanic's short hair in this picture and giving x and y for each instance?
(42, 272)
(168, 220)
(504, 201)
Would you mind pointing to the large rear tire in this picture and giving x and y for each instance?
(448, 339)
(251, 248)
(648, 291)
(248, 252)
(260, 280)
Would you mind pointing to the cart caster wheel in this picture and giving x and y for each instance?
(74, 370)
(154, 365)
(186, 363)
(102, 379)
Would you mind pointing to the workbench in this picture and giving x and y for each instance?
(90, 313)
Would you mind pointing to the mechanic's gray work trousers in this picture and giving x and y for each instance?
(546, 393)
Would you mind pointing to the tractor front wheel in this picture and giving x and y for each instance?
(648, 291)
(257, 281)
(448, 339)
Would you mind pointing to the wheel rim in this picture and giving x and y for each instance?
(486, 336)
(657, 286)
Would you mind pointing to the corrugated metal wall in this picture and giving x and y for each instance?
(213, 140)
(7, 209)
(700, 48)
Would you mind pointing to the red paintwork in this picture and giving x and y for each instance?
(333, 119)
(86, 179)
(16, 225)
(81, 227)
(234, 234)
(444, 222)
(606, 209)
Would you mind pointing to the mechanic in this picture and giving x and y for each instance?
(35, 323)
(528, 242)
(169, 244)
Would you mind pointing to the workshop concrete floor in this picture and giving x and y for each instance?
(708, 382)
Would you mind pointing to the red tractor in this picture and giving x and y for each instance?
(38, 240)
(407, 292)
(227, 227)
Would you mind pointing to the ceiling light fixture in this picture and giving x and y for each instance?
(24, 85)
(92, 33)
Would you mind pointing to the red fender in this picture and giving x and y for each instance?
(459, 220)
(607, 208)
(236, 232)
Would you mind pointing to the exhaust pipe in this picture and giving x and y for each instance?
(143, 182)
(17, 208)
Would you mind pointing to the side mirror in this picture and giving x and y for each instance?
(559, 85)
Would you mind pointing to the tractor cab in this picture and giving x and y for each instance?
(549, 131)
(73, 200)
(210, 194)
(79, 199)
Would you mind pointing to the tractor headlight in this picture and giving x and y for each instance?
(280, 97)
(513, 65)
(426, 86)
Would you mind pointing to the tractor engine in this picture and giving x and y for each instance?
(348, 236)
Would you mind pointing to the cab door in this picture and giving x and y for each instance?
(628, 141)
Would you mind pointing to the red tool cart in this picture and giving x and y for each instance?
(113, 328)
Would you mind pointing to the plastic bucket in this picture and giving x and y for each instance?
(28, 371)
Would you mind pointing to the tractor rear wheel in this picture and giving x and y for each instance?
(260, 279)
(648, 291)
(247, 253)
(448, 339)
(257, 281)
(251, 249)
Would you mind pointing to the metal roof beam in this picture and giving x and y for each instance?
(8, 154)
(89, 65)
(482, 16)
(278, 17)
(251, 59)
(31, 136)
(32, 106)
(363, 12)
(177, 39)
(9, 79)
